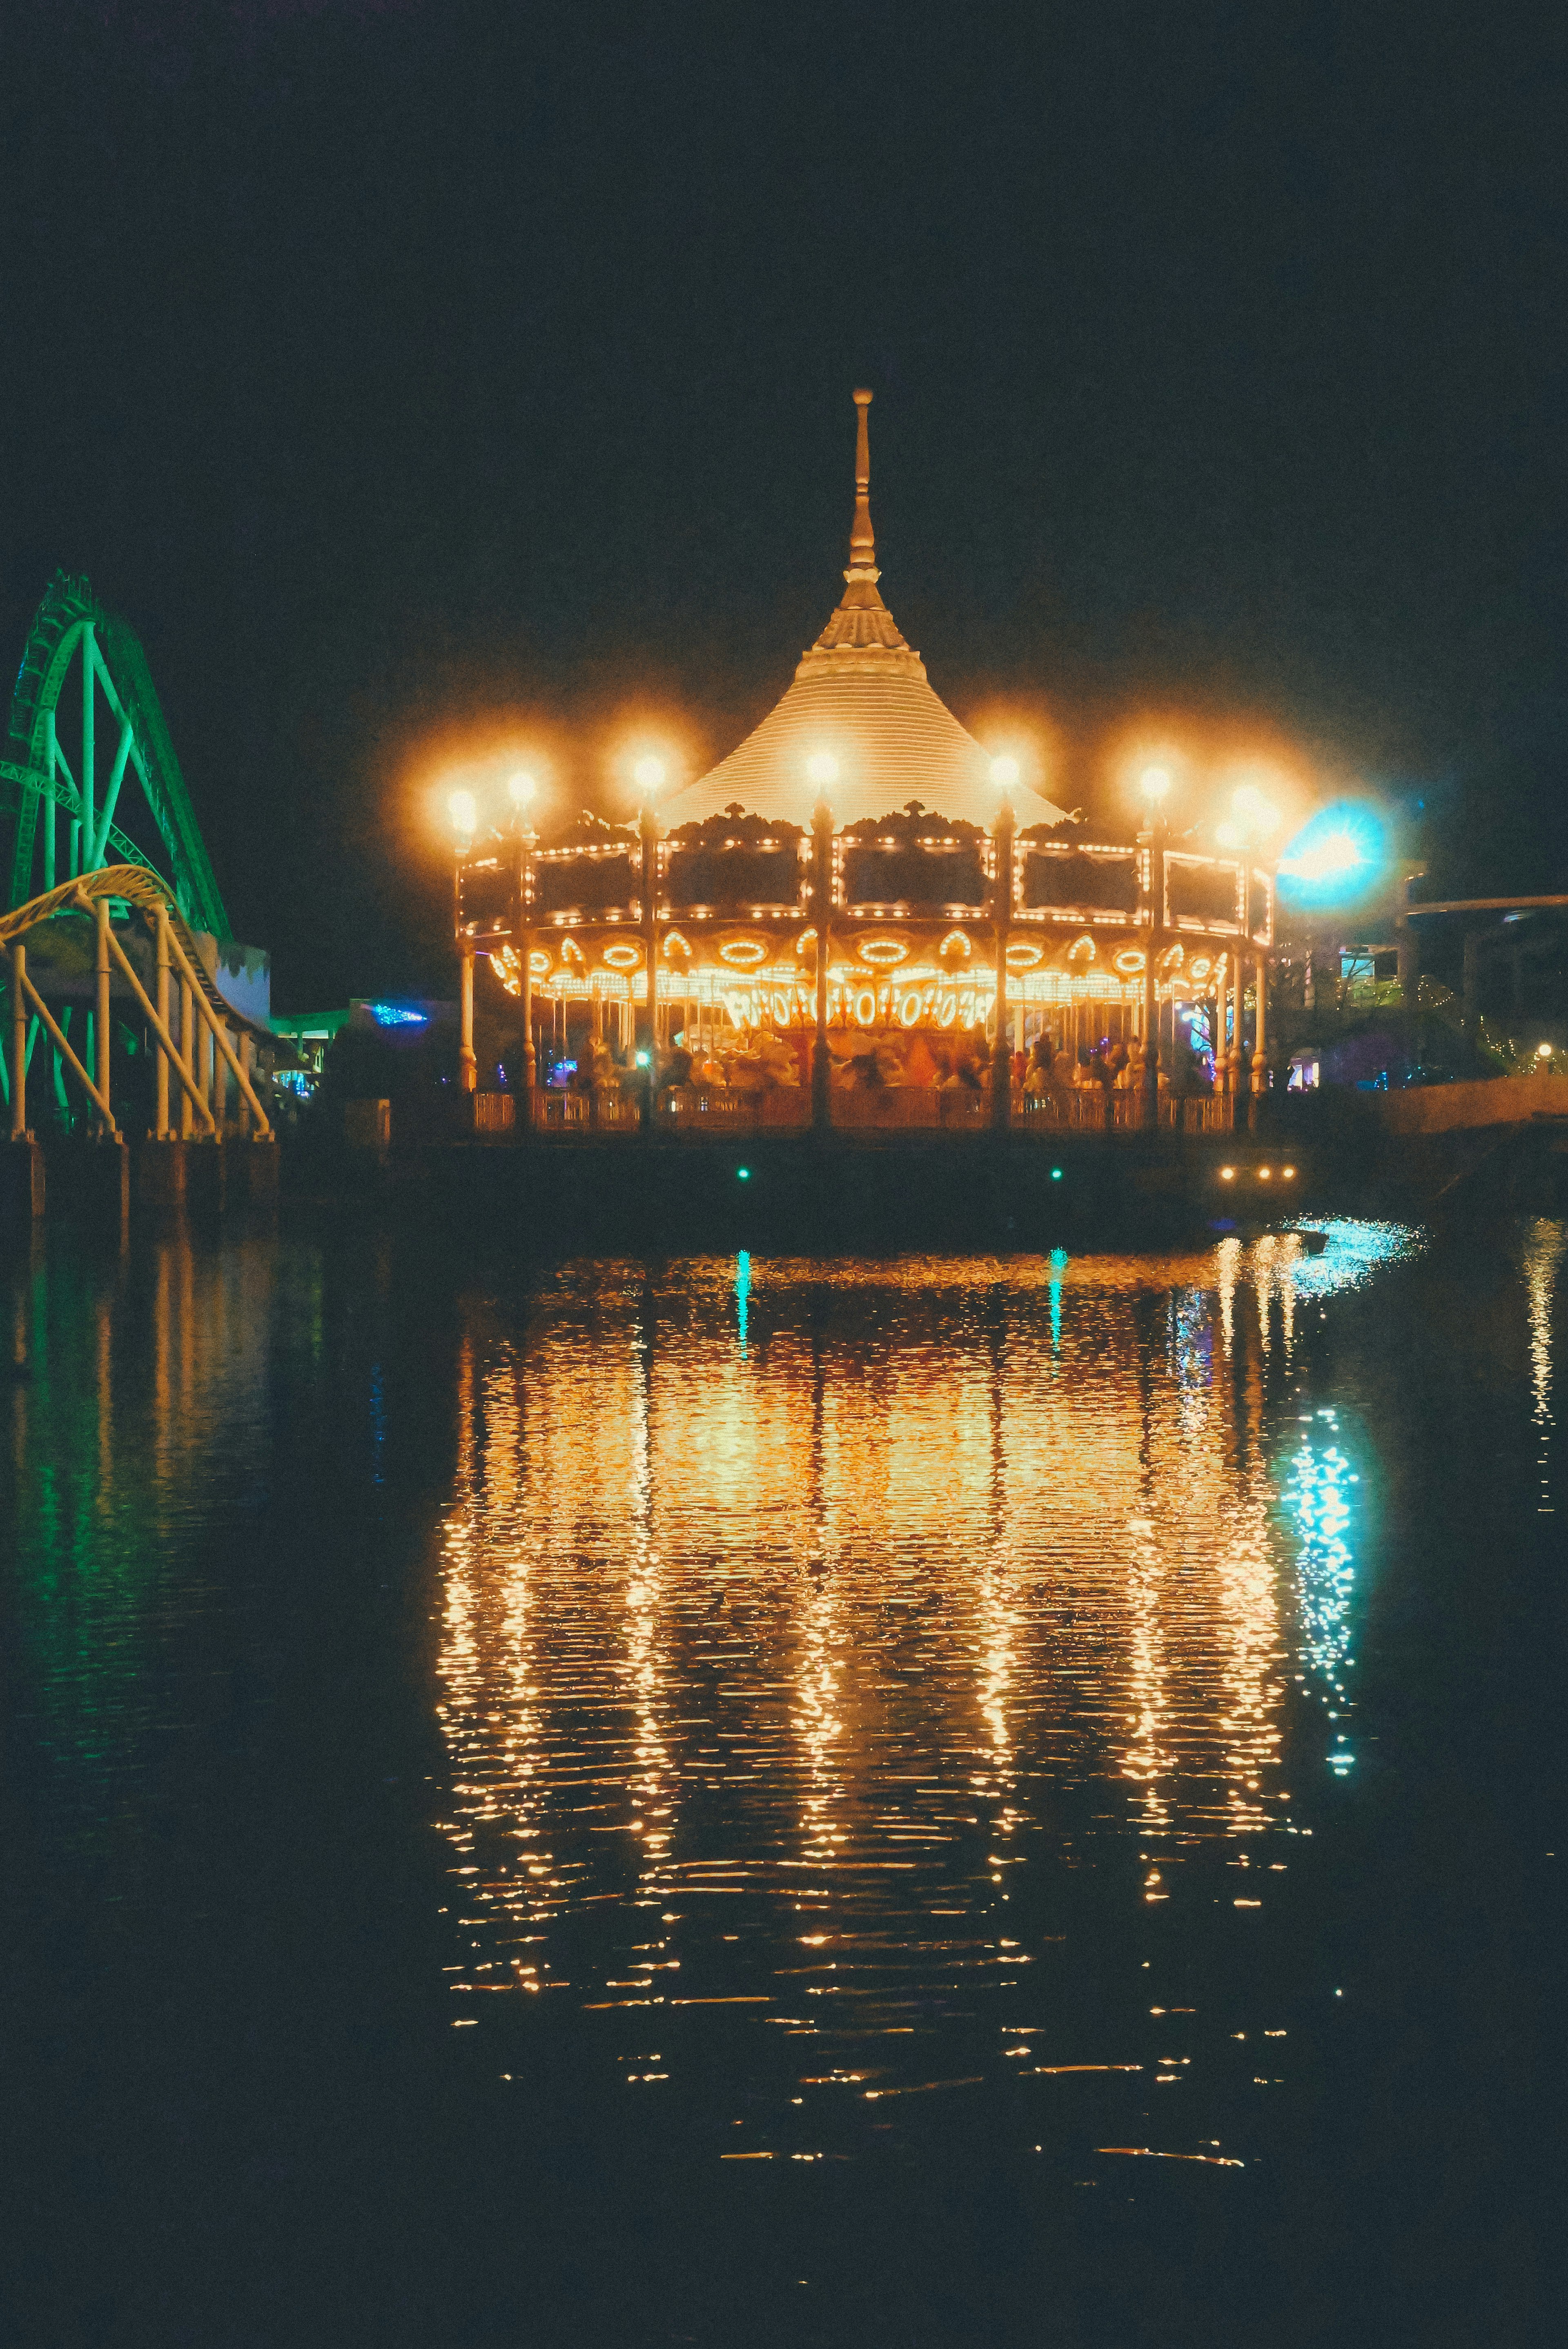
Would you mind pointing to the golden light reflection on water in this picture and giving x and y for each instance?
(792, 1615)
(1542, 1258)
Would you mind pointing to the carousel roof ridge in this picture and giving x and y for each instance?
(860, 694)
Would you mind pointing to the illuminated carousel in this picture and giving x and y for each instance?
(861, 917)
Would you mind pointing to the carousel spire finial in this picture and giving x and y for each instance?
(862, 541)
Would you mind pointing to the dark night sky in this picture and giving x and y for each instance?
(417, 370)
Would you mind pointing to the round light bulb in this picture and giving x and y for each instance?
(522, 788)
(1154, 783)
(1004, 773)
(1543, 1051)
(822, 767)
(464, 813)
(649, 774)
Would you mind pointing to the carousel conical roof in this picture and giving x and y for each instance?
(861, 697)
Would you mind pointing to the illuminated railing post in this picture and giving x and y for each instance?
(821, 912)
(1260, 1030)
(1002, 915)
(18, 1042)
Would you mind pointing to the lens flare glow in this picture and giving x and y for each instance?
(1339, 854)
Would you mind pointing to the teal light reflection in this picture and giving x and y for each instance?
(1058, 1264)
(1319, 1495)
(742, 1292)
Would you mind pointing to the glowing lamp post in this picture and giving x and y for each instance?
(522, 790)
(648, 775)
(822, 768)
(464, 816)
(1005, 776)
(1155, 784)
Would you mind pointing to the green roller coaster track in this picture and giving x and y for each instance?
(38, 786)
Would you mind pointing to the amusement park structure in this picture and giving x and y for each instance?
(120, 960)
(859, 918)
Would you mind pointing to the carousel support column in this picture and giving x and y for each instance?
(467, 1064)
(523, 841)
(1002, 917)
(529, 1057)
(462, 810)
(650, 832)
(1221, 1084)
(821, 912)
(1260, 1039)
(1154, 938)
(1149, 1112)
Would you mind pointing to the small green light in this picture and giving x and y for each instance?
(743, 1174)
(1055, 1174)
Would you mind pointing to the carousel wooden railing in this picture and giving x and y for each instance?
(720, 1109)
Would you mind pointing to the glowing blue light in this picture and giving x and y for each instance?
(1334, 857)
(1055, 1174)
(397, 1015)
(743, 1174)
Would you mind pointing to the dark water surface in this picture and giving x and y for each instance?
(730, 1800)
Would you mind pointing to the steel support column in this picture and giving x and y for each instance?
(160, 1114)
(100, 977)
(18, 1042)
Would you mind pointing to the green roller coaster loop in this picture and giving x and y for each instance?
(38, 788)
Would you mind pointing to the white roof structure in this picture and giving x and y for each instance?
(861, 697)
